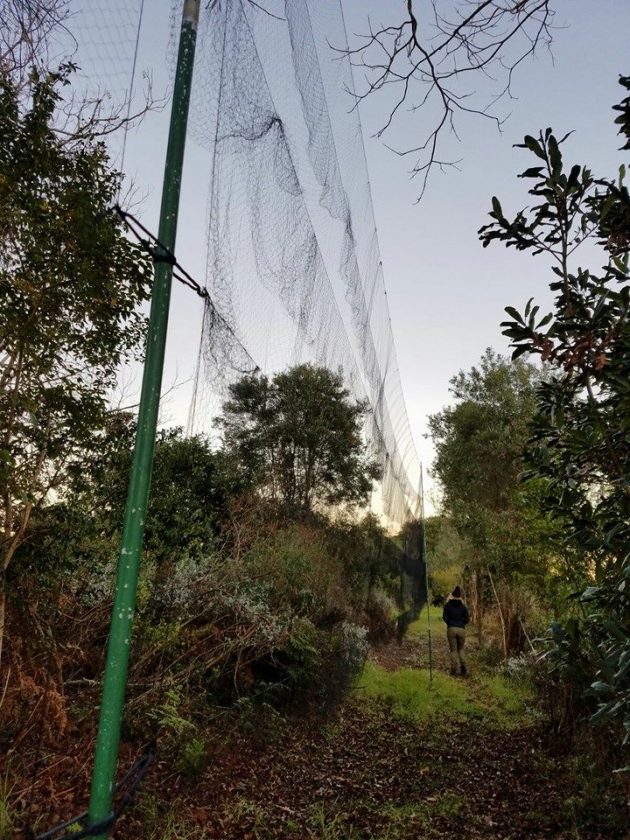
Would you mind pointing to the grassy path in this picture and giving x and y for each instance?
(403, 760)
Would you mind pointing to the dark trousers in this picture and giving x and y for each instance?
(456, 640)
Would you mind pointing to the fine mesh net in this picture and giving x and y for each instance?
(106, 35)
(293, 259)
(293, 268)
(413, 579)
(293, 262)
(100, 39)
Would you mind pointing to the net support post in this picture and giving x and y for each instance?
(426, 573)
(116, 667)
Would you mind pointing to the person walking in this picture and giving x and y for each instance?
(456, 618)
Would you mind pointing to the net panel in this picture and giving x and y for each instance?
(293, 257)
(293, 261)
(100, 39)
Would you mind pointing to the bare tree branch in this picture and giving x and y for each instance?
(36, 37)
(28, 36)
(487, 38)
(89, 117)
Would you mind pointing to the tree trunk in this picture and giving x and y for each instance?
(501, 615)
(516, 639)
(478, 605)
(2, 611)
(526, 634)
(14, 543)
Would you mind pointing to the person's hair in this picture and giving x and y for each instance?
(457, 592)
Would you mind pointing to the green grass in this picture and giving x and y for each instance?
(493, 698)
(416, 819)
(6, 823)
(330, 827)
(162, 821)
(446, 804)
(512, 698)
(411, 693)
(419, 628)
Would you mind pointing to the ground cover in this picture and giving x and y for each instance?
(403, 758)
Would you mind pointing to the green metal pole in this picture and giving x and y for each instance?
(426, 574)
(108, 737)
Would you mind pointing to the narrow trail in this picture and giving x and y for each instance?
(400, 761)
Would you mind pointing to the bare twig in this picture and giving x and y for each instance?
(488, 38)
(28, 36)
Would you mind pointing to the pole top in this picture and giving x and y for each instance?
(191, 13)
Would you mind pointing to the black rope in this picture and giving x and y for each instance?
(160, 253)
(128, 785)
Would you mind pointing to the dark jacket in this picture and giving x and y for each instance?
(455, 613)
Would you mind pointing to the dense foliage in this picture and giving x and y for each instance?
(70, 285)
(581, 437)
(244, 604)
(510, 544)
(299, 436)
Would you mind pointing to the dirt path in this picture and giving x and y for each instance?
(373, 774)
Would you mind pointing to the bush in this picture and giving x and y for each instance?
(491, 655)
(263, 624)
(378, 614)
(297, 571)
(518, 668)
(193, 758)
(563, 676)
(443, 580)
(273, 626)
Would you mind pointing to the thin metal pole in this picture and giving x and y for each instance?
(426, 573)
(116, 667)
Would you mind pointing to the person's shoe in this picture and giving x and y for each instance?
(454, 673)
(464, 671)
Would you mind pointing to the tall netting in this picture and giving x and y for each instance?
(413, 577)
(106, 34)
(100, 39)
(294, 270)
(293, 259)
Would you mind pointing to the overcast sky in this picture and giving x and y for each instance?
(446, 293)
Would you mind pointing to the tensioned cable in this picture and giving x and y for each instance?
(130, 96)
(78, 827)
(160, 253)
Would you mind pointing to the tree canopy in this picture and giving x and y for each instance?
(480, 440)
(581, 445)
(480, 443)
(298, 435)
(70, 283)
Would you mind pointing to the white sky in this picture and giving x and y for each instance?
(446, 293)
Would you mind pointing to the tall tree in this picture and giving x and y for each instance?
(77, 533)
(480, 443)
(582, 423)
(70, 286)
(298, 436)
(480, 439)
